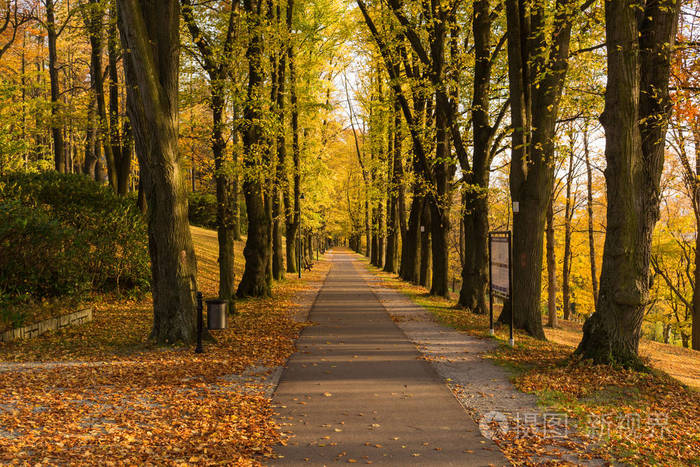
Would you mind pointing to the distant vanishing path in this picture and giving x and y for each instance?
(357, 390)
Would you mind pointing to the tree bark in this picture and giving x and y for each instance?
(293, 210)
(411, 245)
(120, 139)
(568, 216)
(91, 156)
(551, 268)
(591, 230)
(255, 280)
(695, 330)
(217, 67)
(94, 19)
(640, 41)
(425, 272)
(441, 201)
(224, 208)
(537, 66)
(475, 222)
(394, 195)
(277, 207)
(150, 30)
(56, 125)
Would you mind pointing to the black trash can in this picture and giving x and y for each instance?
(216, 314)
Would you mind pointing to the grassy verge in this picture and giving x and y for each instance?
(127, 401)
(636, 418)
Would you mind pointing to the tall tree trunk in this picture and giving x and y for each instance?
(217, 67)
(568, 216)
(90, 162)
(640, 41)
(591, 230)
(472, 295)
(277, 211)
(440, 209)
(120, 139)
(56, 124)
(150, 30)
(94, 20)
(425, 273)
(537, 65)
(368, 224)
(224, 198)
(293, 211)
(255, 280)
(380, 231)
(394, 195)
(235, 199)
(551, 267)
(695, 331)
(411, 244)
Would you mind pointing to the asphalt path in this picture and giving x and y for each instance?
(358, 391)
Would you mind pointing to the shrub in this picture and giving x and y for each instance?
(66, 234)
(202, 212)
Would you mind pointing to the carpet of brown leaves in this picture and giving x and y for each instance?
(123, 401)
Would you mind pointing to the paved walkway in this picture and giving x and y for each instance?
(357, 390)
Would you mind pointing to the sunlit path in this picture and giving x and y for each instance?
(357, 389)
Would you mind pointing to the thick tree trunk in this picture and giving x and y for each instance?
(439, 242)
(150, 30)
(475, 222)
(411, 245)
(591, 231)
(56, 124)
(94, 20)
(217, 68)
(695, 331)
(568, 216)
(394, 196)
(440, 208)
(474, 291)
(224, 201)
(277, 206)
(425, 273)
(235, 198)
(551, 268)
(90, 162)
(368, 224)
(374, 258)
(637, 107)
(293, 211)
(121, 143)
(380, 233)
(255, 280)
(537, 66)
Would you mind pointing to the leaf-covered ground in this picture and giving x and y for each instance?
(118, 400)
(620, 415)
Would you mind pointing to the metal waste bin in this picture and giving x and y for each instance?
(216, 314)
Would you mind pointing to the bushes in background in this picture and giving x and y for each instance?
(202, 209)
(65, 235)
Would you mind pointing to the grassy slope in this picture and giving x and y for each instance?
(680, 363)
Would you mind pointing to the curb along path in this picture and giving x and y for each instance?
(357, 390)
